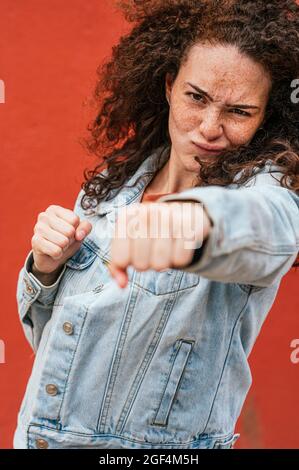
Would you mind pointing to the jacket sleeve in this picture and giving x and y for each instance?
(255, 234)
(35, 300)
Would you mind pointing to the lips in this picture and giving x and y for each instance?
(209, 149)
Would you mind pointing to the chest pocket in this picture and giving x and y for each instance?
(85, 272)
(167, 281)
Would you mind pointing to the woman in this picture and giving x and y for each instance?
(197, 101)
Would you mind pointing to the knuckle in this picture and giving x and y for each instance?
(179, 260)
(38, 227)
(141, 266)
(177, 263)
(75, 219)
(50, 208)
(56, 252)
(35, 241)
(156, 265)
(42, 216)
(70, 232)
(65, 242)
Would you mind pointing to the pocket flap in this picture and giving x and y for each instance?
(82, 258)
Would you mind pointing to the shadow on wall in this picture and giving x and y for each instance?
(250, 427)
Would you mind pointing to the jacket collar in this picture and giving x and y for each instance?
(145, 172)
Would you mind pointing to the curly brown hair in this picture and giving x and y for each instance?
(132, 117)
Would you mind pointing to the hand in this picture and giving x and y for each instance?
(157, 236)
(58, 234)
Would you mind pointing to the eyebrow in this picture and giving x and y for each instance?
(243, 106)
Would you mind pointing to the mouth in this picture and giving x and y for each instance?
(208, 150)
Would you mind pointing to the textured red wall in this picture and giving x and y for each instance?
(48, 57)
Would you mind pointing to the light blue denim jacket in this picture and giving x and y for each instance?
(162, 363)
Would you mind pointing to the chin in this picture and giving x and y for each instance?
(205, 159)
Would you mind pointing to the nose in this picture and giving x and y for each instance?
(211, 127)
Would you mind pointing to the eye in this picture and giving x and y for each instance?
(193, 96)
(240, 112)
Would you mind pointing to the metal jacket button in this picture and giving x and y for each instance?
(51, 389)
(41, 444)
(29, 289)
(68, 328)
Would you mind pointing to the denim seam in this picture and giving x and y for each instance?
(102, 416)
(173, 359)
(176, 289)
(226, 358)
(118, 436)
(200, 438)
(159, 331)
(58, 418)
(67, 278)
(254, 245)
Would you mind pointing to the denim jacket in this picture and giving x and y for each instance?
(163, 362)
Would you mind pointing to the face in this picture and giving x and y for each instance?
(218, 100)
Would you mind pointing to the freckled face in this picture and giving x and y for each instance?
(209, 102)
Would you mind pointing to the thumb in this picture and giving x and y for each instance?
(83, 229)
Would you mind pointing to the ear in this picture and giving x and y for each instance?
(168, 85)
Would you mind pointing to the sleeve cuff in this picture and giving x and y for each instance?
(34, 289)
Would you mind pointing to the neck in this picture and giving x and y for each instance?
(171, 178)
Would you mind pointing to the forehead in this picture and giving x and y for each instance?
(224, 73)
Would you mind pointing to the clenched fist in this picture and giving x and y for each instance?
(58, 234)
(157, 236)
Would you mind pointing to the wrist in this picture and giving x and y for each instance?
(46, 278)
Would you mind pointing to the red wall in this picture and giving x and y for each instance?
(48, 57)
